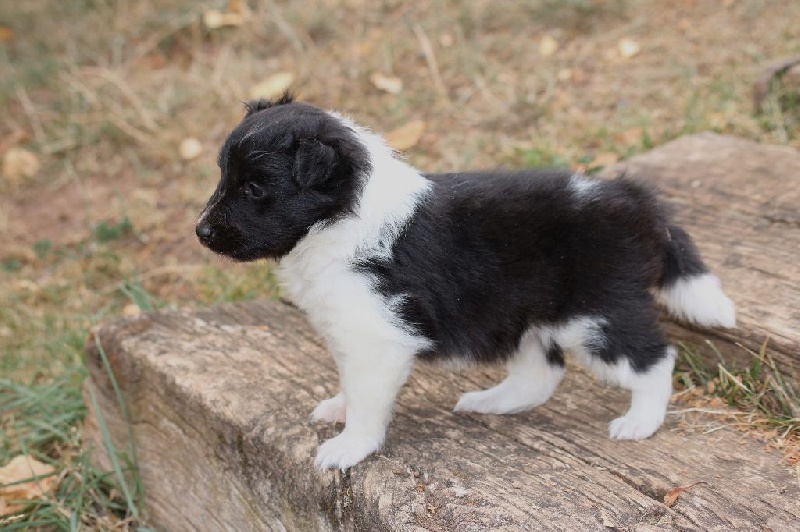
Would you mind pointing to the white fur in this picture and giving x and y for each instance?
(650, 390)
(373, 350)
(582, 186)
(333, 410)
(699, 299)
(575, 336)
(650, 394)
(531, 381)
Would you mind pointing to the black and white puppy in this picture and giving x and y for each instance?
(392, 265)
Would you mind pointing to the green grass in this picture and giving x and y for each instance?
(42, 420)
(540, 158)
(759, 387)
(42, 406)
(781, 112)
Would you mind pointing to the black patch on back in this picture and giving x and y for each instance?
(488, 255)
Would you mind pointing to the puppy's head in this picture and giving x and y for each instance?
(285, 168)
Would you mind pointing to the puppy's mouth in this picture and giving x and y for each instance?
(224, 244)
(234, 253)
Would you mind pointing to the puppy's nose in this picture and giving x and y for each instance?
(204, 232)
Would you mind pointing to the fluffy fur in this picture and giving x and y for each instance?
(392, 265)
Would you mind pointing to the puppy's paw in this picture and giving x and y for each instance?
(346, 450)
(331, 410)
(633, 427)
(498, 400)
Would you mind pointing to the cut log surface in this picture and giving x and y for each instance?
(219, 402)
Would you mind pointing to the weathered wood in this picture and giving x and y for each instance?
(740, 201)
(219, 401)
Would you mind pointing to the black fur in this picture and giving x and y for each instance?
(681, 258)
(285, 168)
(488, 255)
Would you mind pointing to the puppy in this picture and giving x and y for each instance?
(392, 265)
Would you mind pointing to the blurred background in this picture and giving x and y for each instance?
(112, 111)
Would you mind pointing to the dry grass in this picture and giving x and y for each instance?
(757, 399)
(103, 92)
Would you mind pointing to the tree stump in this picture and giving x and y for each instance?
(219, 401)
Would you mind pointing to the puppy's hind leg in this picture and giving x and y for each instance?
(628, 350)
(533, 375)
(651, 390)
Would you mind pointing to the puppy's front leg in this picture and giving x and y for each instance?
(371, 377)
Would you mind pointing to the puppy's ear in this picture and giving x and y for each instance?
(314, 164)
(259, 105)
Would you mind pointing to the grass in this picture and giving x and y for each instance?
(42, 420)
(103, 93)
(762, 396)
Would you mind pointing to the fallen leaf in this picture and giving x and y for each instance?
(565, 74)
(131, 311)
(272, 87)
(627, 48)
(235, 6)
(605, 159)
(406, 136)
(21, 472)
(190, 148)
(672, 495)
(213, 19)
(19, 164)
(10, 140)
(548, 46)
(389, 84)
(6, 34)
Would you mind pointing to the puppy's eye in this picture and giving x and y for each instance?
(254, 191)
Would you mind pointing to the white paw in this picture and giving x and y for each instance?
(331, 410)
(498, 401)
(633, 427)
(346, 450)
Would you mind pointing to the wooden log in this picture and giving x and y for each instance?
(219, 402)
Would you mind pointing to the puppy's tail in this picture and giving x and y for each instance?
(687, 289)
